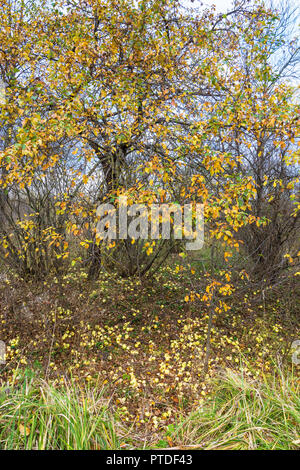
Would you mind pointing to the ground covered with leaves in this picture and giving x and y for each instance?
(140, 342)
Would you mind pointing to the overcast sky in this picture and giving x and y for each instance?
(221, 5)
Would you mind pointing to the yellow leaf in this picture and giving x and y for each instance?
(24, 430)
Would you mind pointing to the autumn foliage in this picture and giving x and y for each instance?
(149, 100)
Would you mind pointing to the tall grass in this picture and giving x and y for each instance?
(245, 414)
(242, 413)
(40, 416)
